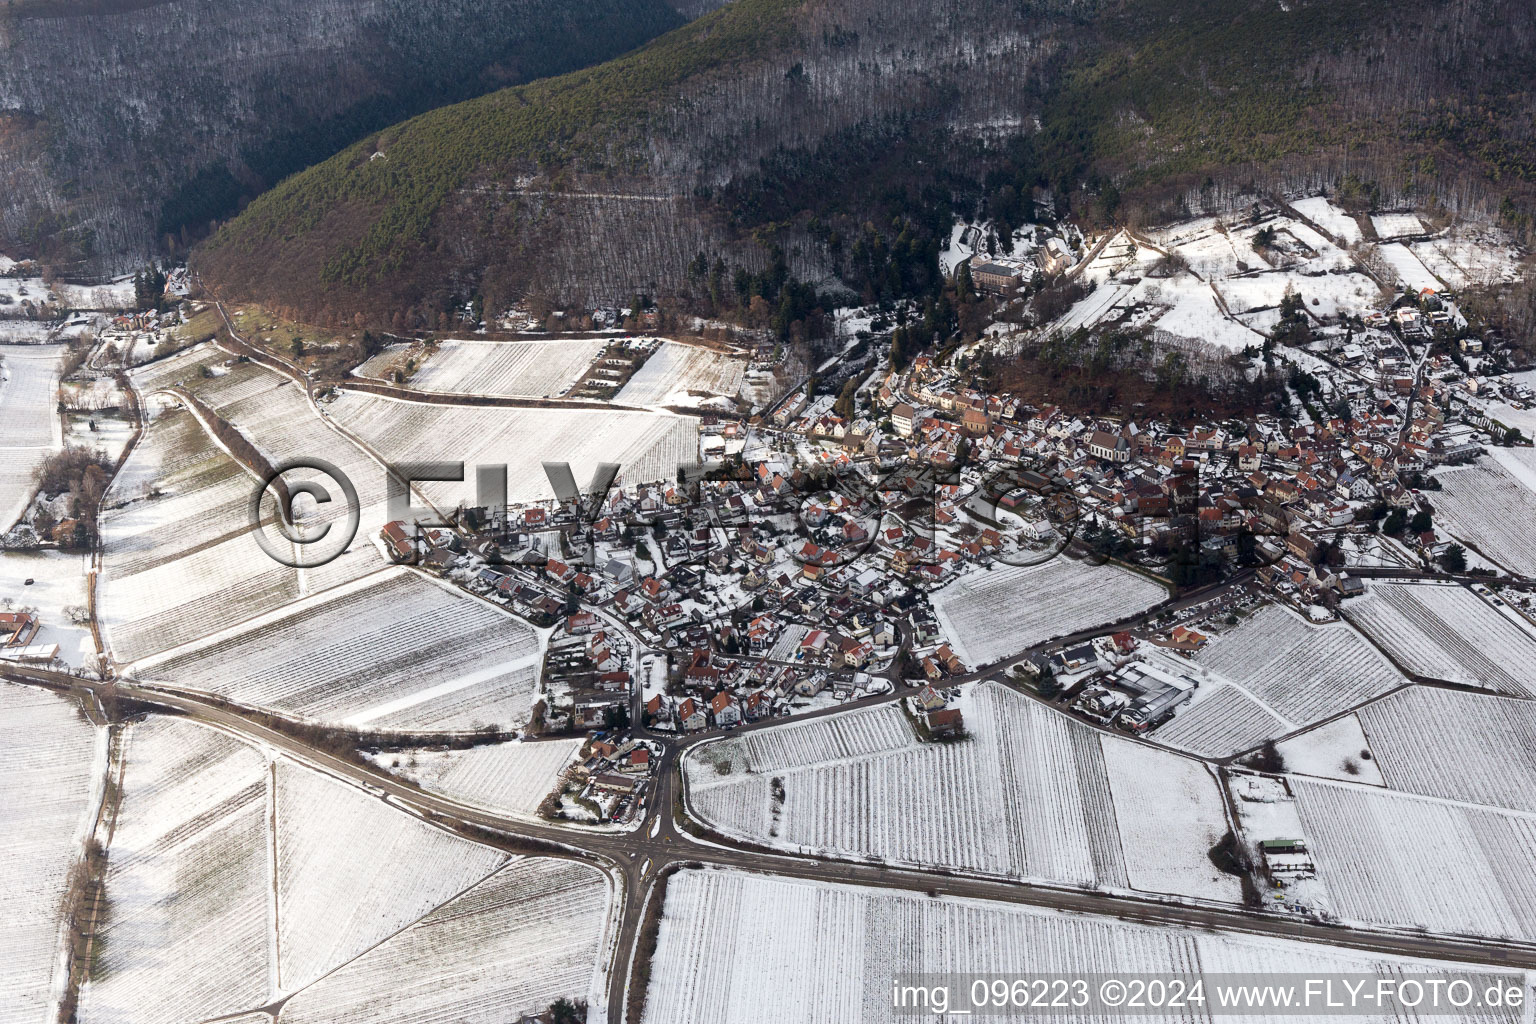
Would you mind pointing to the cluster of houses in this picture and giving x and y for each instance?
(607, 784)
(18, 631)
(798, 570)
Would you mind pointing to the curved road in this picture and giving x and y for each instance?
(658, 844)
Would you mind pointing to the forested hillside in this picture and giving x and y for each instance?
(131, 124)
(832, 140)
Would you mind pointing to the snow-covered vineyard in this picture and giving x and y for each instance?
(1395, 860)
(372, 653)
(648, 446)
(1455, 746)
(1288, 673)
(1491, 509)
(844, 945)
(237, 878)
(1445, 631)
(684, 375)
(508, 778)
(526, 935)
(1031, 794)
(516, 369)
(51, 764)
(992, 615)
(1271, 675)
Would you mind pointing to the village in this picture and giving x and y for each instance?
(807, 560)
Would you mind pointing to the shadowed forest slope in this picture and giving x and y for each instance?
(131, 124)
(834, 138)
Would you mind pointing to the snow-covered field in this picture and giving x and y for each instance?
(236, 879)
(1489, 508)
(50, 760)
(188, 922)
(1445, 631)
(1410, 271)
(1210, 250)
(739, 948)
(522, 369)
(528, 935)
(1299, 671)
(1396, 860)
(181, 564)
(1471, 254)
(1330, 218)
(1396, 225)
(1455, 745)
(509, 778)
(648, 446)
(330, 908)
(1194, 314)
(395, 650)
(1323, 294)
(1168, 809)
(1030, 794)
(992, 615)
(683, 375)
(29, 426)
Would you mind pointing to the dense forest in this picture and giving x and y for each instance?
(840, 136)
(127, 126)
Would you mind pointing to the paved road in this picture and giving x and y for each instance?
(636, 858)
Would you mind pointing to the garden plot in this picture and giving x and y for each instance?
(649, 447)
(1336, 750)
(50, 761)
(1393, 860)
(509, 778)
(1121, 254)
(518, 369)
(1299, 671)
(528, 935)
(729, 941)
(58, 592)
(1471, 254)
(992, 615)
(351, 872)
(29, 427)
(1396, 225)
(1490, 509)
(1411, 273)
(1455, 745)
(394, 650)
(1214, 252)
(1330, 218)
(1027, 795)
(1445, 631)
(684, 375)
(1325, 295)
(1221, 721)
(188, 883)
